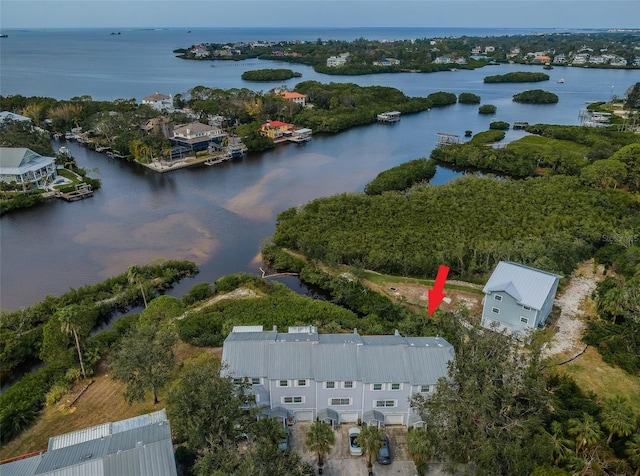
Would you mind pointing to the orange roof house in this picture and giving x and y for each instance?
(276, 129)
(295, 97)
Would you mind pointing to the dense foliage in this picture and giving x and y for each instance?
(487, 137)
(549, 223)
(269, 75)
(339, 106)
(442, 98)
(21, 134)
(275, 305)
(487, 109)
(468, 98)
(517, 77)
(402, 176)
(499, 125)
(536, 96)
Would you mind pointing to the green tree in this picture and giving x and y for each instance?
(632, 450)
(370, 440)
(134, 275)
(617, 417)
(320, 438)
(421, 448)
(633, 97)
(606, 173)
(207, 409)
(144, 359)
(586, 431)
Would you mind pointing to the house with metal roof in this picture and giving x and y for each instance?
(27, 168)
(338, 378)
(518, 298)
(138, 446)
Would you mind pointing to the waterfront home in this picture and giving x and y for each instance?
(159, 101)
(338, 378)
(340, 60)
(294, 97)
(197, 136)
(138, 446)
(26, 168)
(11, 116)
(276, 129)
(160, 126)
(518, 298)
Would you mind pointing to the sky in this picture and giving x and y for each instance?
(589, 14)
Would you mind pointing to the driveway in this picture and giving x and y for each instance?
(340, 463)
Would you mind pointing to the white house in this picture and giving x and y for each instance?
(27, 168)
(159, 101)
(340, 60)
(336, 377)
(138, 446)
(518, 298)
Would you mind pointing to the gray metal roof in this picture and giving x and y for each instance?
(140, 446)
(373, 416)
(290, 360)
(20, 159)
(528, 286)
(370, 359)
(328, 414)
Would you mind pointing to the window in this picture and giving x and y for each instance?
(255, 381)
(348, 384)
(425, 388)
(339, 401)
(497, 297)
(524, 320)
(283, 383)
(237, 381)
(301, 383)
(376, 386)
(385, 403)
(495, 310)
(292, 399)
(329, 385)
(396, 386)
(526, 308)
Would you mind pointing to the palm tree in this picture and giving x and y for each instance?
(561, 446)
(633, 452)
(586, 431)
(135, 277)
(420, 448)
(617, 417)
(370, 440)
(320, 439)
(69, 320)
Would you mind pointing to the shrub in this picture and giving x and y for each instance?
(468, 133)
(58, 391)
(499, 125)
(487, 137)
(442, 98)
(199, 292)
(536, 96)
(487, 109)
(468, 98)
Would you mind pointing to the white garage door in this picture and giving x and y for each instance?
(394, 419)
(349, 417)
(304, 415)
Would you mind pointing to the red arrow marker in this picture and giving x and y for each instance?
(436, 295)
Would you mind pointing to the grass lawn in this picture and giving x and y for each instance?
(102, 402)
(592, 373)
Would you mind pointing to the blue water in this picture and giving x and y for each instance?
(220, 216)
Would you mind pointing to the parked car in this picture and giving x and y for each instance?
(384, 455)
(354, 447)
(284, 444)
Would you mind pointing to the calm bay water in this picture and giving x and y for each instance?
(219, 216)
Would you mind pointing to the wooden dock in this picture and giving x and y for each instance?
(81, 192)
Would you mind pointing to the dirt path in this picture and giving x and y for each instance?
(568, 337)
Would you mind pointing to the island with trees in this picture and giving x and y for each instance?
(270, 75)
(426, 55)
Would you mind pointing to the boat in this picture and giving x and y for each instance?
(4, 35)
(64, 151)
(561, 80)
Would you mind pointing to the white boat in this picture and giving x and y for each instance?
(561, 80)
(64, 151)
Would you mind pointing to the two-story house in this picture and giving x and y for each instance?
(518, 298)
(159, 101)
(294, 97)
(197, 136)
(26, 168)
(276, 129)
(338, 377)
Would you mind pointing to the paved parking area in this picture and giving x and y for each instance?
(339, 462)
